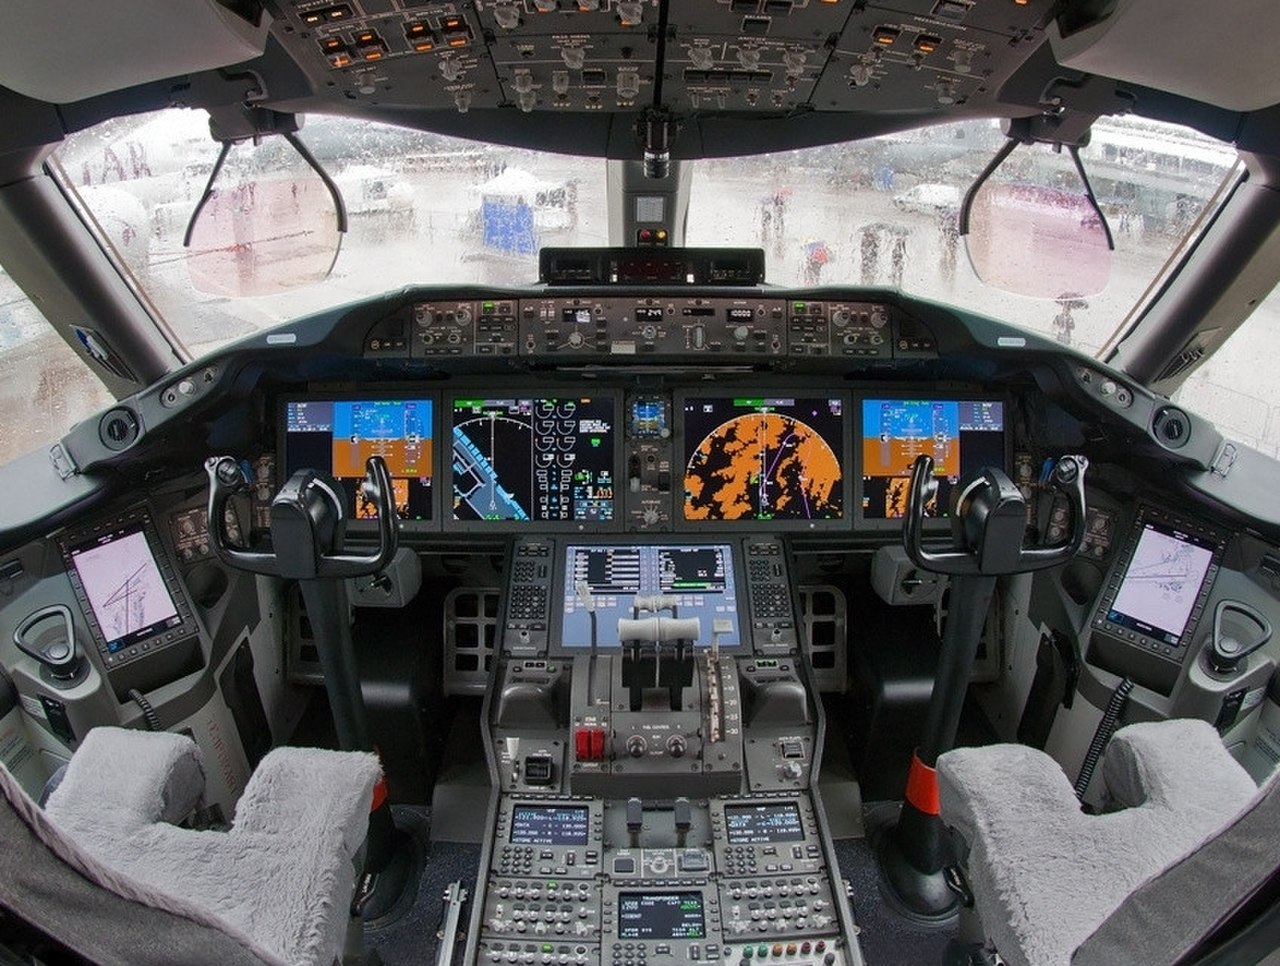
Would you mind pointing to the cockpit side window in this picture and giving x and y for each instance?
(1235, 388)
(46, 388)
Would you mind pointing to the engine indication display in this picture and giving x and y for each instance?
(962, 436)
(540, 459)
(766, 459)
(601, 583)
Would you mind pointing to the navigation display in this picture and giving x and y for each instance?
(962, 436)
(764, 458)
(698, 577)
(1162, 582)
(548, 459)
(337, 437)
(123, 584)
(549, 825)
(762, 824)
(661, 915)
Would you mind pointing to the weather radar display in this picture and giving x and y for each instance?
(764, 459)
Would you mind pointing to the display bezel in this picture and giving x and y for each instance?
(1201, 535)
(661, 935)
(354, 524)
(499, 527)
(762, 809)
(679, 461)
(924, 394)
(546, 809)
(560, 563)
(76, 540)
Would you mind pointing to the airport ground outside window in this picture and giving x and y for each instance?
(46, 388)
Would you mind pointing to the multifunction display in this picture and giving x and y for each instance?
(962, 436)
(1162, 582)
(661, 915)
(549, 825)
(763, 823)
(337, 437)
(766, 458)
(123, 584)
(548, 459)
(605, 583)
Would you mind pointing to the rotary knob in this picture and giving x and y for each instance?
(741, 333)
(650, 517)
(575, 339)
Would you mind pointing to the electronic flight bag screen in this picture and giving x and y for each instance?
(962, 436)
(775, 459)
(337, 437)
(547, 459)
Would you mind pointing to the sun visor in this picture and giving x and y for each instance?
(66, 50)
(1221, 54)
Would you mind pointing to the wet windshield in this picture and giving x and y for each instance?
(426, 209)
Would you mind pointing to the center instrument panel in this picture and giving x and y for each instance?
(654, 733)
(497, 457)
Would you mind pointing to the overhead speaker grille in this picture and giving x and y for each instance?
(1171, 427)
(118, 428)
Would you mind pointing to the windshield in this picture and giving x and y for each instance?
(430, 209)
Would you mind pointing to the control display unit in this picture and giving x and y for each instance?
(549, 825)
(601, 584)
(661, 915)
(544, 460)
(1162, 581)
(776, 459)
(337, 436)
(760, 823)
(962, 436)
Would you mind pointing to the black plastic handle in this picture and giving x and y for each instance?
(377, 486)
(992, 508)
(303, 503)
(225, 479)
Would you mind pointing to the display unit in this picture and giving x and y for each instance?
(778, 460)
(551, 461)
(963, 434)
(336, 434)
(1155, 597)
(599, 583)
(132, 600)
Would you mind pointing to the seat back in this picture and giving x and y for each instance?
(81, 906)
(1168, 916)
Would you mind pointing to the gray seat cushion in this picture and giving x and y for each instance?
(1044, 874)
(281, 878)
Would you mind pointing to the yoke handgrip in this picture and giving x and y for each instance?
(987, 501)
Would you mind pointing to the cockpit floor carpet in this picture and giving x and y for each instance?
(406, 935)
(886, 938)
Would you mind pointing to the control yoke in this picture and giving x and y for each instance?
(988, 521)
(306, 523)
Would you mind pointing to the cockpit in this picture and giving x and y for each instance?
(676, 440)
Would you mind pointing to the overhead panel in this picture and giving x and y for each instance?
(757, 55)
(396, 53)
(928, 55)
(574, 55)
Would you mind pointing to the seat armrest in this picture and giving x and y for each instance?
(284, 793)
(119, 777)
